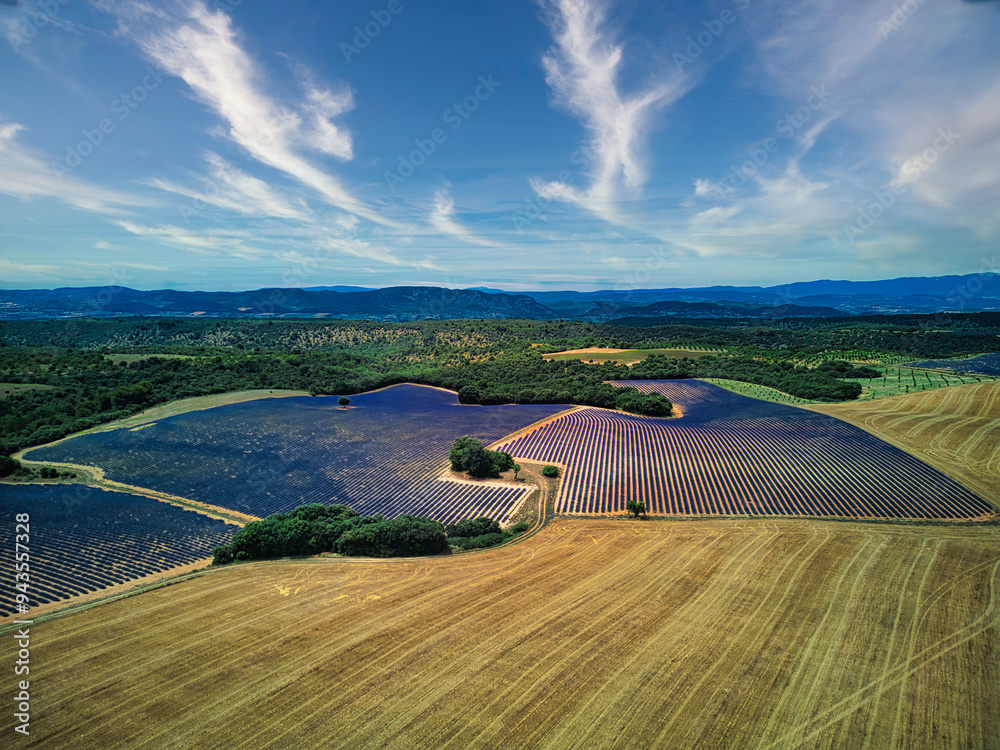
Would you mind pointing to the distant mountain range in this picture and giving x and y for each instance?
(393, 303)
(969, 293)
(972, 293)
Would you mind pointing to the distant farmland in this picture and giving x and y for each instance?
(986, 364)
(625, 356)
(757, 635)
(381, 456)
(83, 540)
(732, 455)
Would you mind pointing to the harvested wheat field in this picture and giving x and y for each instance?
(956, 430)
(593, 633)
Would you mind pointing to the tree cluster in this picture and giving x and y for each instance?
(788, 377)
(314, 529)
(469, 455)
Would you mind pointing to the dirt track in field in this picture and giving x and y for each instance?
(593, 633)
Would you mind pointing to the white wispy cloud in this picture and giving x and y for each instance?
(442, 217)
(583, 71)
(201, 46)
(896, 95)
(24, 174)
(201, 243)
(231, 189)
(306, 249)
(900, 81)
(367, 250)
(9, 268)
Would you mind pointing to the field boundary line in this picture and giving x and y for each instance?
(96, 478)
(534, 426)
(946, 467)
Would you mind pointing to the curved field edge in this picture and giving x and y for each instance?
(333, 476)
(95, 474)
(593, 633)
(732, 459)
(956, 430)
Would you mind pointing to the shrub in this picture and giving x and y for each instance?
(469, 395)
(550, 471)
(8, 466)
(480, 542)
(473, 527)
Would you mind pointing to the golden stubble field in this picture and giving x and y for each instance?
(593, 633)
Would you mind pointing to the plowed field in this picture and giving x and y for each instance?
(594, 633)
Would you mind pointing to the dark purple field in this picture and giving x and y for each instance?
(381, 456)
(986, 364)
(733, 455)
(82, 539)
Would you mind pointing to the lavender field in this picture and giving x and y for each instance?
(380, 456)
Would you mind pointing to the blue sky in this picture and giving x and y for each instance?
(562, 144)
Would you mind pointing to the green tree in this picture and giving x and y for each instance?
(344, 401)
(516, 468)
(469, 395)
(468, 454)
(501, 461)
(459, 449)
(635, 507)
(550, 471)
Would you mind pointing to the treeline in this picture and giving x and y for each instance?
(480, 533)
(800, 338)
(487, 362)
(315, 529)
(921, 336)
(823, 383)
(528, 379)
